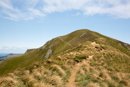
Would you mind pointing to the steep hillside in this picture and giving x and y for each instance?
(82, 58)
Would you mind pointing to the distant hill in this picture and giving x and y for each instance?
(82, 58)
(5, 56)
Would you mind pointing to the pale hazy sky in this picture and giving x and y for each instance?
(30, 23)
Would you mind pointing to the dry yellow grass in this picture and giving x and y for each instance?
(66, 72)
(8, 82)
(91, 84)
(56, 81)
(60, 70)
(105, 75)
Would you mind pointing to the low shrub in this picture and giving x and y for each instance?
(79, 58)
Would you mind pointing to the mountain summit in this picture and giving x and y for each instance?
(63, 43)
(82, 58)
(74, 39)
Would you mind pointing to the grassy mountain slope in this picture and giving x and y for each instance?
(79, 59)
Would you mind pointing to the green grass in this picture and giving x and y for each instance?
(79, 58)
(117, 62)
(12, 64)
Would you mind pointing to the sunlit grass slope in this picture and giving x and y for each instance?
(82, 58)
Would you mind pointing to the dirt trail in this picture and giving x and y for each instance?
(74, 71)
(71, 81)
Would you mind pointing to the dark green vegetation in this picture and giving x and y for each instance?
(81, 58)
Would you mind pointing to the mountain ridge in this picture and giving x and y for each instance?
(76, 38)
(79, 59)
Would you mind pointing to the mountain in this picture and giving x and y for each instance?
(82, 58)
(4, 56)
